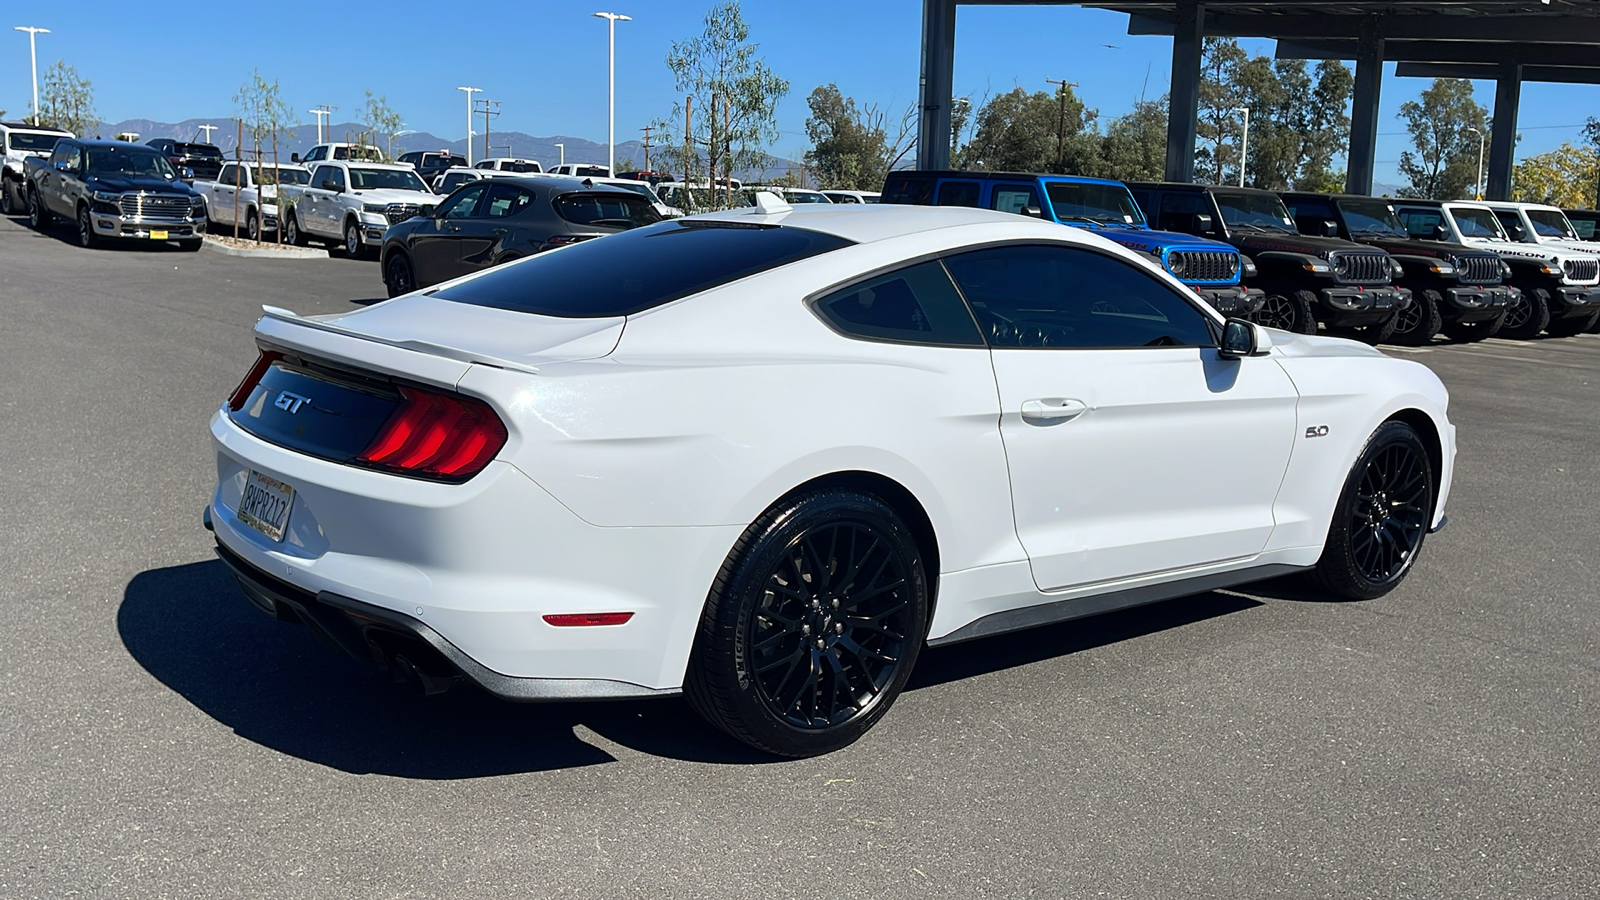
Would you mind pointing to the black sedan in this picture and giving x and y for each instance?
(485, 223)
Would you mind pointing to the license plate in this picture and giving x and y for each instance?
(265, 504)
(158, 235)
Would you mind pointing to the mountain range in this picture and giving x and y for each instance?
(502, 143)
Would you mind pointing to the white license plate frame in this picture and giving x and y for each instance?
(265, 504)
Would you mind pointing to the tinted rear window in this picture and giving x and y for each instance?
(636, 270)
(206, 150)
(608, 209)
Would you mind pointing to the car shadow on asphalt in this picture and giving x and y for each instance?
(272, 683)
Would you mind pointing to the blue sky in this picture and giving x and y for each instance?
(547, 61)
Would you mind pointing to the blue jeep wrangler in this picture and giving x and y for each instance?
(1213, 269)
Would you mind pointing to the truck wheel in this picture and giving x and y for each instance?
(1570, 327)
(38, 217)
(352, 239)
(1594, 327)
(86, 235)
(291, 228)
(1381, 519)
(8, 197)
(1529, 316)
(252, 226)
(1373, 334)
(1290, 312)
(1418, 323)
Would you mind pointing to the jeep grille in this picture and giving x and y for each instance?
(165, 206)
(1582, 269)
(1204, 265)
(1361, 268)
(1480, 269)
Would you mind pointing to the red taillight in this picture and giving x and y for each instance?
(438, 435)
(252, 378)
(569, 620)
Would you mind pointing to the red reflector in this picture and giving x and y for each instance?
(252, 378)
(568, 620)
(441, 435)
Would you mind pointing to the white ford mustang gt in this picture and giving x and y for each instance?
(763, 457)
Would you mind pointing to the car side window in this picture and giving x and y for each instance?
(462, 204)
(1037, 296)
(506, 200)
(1014, 198)
(913, 305)
(75, 159)
(60, 154)
(958, 193)
(315, 154)
(227, 174)
(1419, 223)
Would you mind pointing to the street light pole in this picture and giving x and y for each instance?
(611, 108)
(470, 91)
(319, 113)
(1477, 186)
(33, 54)
(563, 148)
(1244, 144)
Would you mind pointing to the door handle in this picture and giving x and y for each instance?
(452, 228)
(499, 231)
(1053, 409)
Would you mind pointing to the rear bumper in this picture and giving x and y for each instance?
(1233, 300)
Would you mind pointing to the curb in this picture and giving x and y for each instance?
(285, 253)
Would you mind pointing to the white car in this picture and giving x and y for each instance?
(18, 142)
(354, 203)
(582, 170)
(340, 150)
(510, 164)
(762, 457)
(853, 196)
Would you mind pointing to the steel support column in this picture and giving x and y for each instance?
(1183, 101)
(1364, 108)
(1503, 134)
(938, 81)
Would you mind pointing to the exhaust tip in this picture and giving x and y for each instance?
(421, 682)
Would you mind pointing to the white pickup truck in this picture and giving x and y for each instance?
(240, 187)
(18, 141)
(353, 203)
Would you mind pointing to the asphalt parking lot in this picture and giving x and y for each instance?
(161, 738)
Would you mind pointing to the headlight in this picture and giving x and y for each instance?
(1177, 264)
(374, 207)
(106, 197)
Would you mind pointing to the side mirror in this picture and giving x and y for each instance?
(1241, 338)
(62, 166)
(328, 184)
(1328, 228)
(1440, 233)
(1033, 211)
(294, 157)
(1516, 232)
(1188, 223)
(186, 173)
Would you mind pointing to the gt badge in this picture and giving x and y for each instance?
(1316, 431)
(291, 403)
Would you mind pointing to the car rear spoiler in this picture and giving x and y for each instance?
(436, 350)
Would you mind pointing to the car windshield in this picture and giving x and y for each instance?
(636, 270)
(1371, 217)
(385, 179)
(1551, 223)
(1254, 211)
(287, 176)
(1478, 223)
(22, 140)
(129, 161)
(1090, 202)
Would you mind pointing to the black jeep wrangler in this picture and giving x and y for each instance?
(1453, 285)
(1345, 286)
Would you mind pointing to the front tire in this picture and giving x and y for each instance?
(398, 275)
(352, 239)
(1529, 316)
(812, 626)
(1416, 325)
(86, 235)
(1291, 312)
(1381, 518)
(252, 226)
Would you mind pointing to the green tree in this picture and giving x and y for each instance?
(1018, 132)
(380, 119)
(1326, 129)
(1443, 164)
(1219, 125)
(66, 100)
(851, 147)
(1565, 176)
(1135, 146)
(262, 110)
(734, 98)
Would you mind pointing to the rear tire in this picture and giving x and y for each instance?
(252, 226)
(1290, 312)
(1381, 518)
(1416, 325)
(9, 197)
(1529, 317)
(291, 229)
(1570, 327)
(39, 218)
(797, 654)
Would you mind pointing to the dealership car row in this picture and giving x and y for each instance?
(1374, 269)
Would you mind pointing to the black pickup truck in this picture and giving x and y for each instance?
(1347, 287)
(1452, 284)
(114, 189)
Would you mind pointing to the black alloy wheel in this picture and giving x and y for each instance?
(1418, 323)
(1289, 312)
(812, 626)
(1382, 516)
(86, 235)
(38, 217)
(1528, 316)
(398, 275)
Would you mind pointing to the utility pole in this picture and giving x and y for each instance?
(322, 112)
(688, 145)
(646, 130)
(1061, 123)
(1244, 143)
(470, 91)
(611, 117)
(563, 148)
(207, 129)
(488, 108)
(33, 54)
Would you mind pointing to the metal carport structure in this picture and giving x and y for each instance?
(1509, 41)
